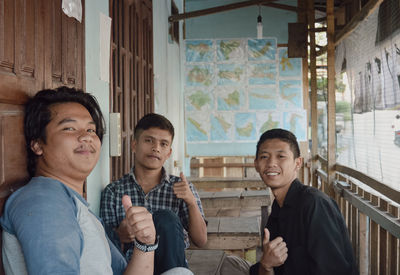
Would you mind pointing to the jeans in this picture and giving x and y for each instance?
(171, 245)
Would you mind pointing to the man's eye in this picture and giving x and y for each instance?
(164, 144)
(68, 129)
(263, 157)
(91, 130)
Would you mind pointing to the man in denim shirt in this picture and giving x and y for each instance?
(47, 225)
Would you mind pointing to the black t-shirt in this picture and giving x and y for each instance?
(315, 233)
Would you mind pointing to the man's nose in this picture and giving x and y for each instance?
(85, 136)
(156, 147)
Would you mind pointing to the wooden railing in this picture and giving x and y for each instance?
(371, 210)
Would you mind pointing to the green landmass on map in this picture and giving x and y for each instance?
(293, 122)
(199, 75)
(199, 99)
(228, 47)
(233, 99)
(285, 62)
(259, 72)
(225, 125)
(262, 96)
(235, 74)
(269, 124)
(197, 125)
(201, 48)
(246, 130)
(258, 53)
(288, 97)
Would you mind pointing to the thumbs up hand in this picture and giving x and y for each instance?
(274, 252)
(139, 222)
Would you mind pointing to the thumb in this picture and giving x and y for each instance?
(126, 202)
(182, 176)
(266, 236)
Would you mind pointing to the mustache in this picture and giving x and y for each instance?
(85, 148)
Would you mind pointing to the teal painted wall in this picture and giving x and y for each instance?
(100, 176)
(238, 23)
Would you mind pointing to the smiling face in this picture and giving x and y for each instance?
(152, 148)
(276, 165)
(72, 147)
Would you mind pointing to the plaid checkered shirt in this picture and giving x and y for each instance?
(160, 197)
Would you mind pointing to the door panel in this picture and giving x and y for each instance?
(132, 72)
(40, 47)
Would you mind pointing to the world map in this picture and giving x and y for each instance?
(236, 89)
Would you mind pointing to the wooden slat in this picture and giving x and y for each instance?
(371, 182)
(219, 164)
(393, 252)
(374, 241)
(383, 242)
(212, 183)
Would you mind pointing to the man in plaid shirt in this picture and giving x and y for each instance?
(173, 201)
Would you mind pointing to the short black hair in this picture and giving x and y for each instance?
(38, 115)
(282, 135)
(153, 120)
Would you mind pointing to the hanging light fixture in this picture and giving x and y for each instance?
(259, 24)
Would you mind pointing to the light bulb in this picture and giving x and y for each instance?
(259, 27)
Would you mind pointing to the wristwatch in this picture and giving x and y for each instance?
(146, 247)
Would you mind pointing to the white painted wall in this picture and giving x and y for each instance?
(168, 88)
(100, 176)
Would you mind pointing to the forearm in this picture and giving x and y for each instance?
(197, 226)
(141, 263)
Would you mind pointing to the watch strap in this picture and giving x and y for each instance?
(146, 247)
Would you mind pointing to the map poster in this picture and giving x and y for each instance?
(235, 90)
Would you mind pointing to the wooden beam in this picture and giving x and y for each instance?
(282, 7)
(371, 182)
(357, 19)
(330, 15)
(317, 29)
(313, 86)
(213, 10)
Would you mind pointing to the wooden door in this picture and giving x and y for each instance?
(40, 47)
(132, 72)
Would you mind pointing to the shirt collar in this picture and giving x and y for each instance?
(164, 175)
(291, 195)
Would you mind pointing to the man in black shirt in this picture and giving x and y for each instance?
(305, 233)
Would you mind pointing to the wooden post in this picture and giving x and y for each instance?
(393, 252)
(331, 95)
(313, 84)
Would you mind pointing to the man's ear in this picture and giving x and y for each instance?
(36, 147)
(299, 162)
(170, 152)
(133, 145)
(256, 165)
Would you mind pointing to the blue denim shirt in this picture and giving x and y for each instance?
(56, 232)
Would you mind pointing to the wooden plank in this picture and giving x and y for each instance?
(237, 242)
(212, 183)
(393, 252)
(371, 182)
(217, 163)
(366, 10)
(213, 225)
(363, 244)
(374, 241)
(383, 242)
(240, 225)
(331, 146)
(205, 262)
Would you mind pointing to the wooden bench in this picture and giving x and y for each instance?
(235, 198)
(205, 262)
